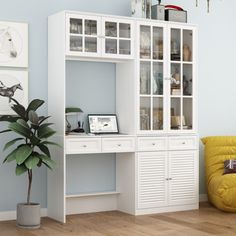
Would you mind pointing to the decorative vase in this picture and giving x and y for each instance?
(141, 8)
(186, 53)
(28, 216)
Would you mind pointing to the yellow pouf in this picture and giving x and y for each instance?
(221, 188)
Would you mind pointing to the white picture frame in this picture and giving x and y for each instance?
(13, 44)
(13, 83)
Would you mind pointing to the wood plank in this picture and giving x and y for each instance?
(205, 222)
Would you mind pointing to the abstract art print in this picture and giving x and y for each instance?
(13, 84)
(13, 44)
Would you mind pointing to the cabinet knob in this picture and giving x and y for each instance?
(183, 143)
(119, 145)
(153, 144)
(84, 146)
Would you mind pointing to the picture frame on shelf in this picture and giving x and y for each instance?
(103, 124)
(13, 84)
(13, 44)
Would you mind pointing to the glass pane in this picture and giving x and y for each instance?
(145, 42)
(124, 47)
(76, 26)
(187, 45)
(157, 78)
(175, 113)
(76, 43)
(90, 44)
(175, 79)
(187, 80)
(175, 45)
(111, 46)
(145, 78)
(124, 30)
(187, 113)
(157, 113)
(157, 43)
(90, 27)
(145, 105)
(111, 29)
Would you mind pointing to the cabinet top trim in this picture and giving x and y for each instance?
(171, 23)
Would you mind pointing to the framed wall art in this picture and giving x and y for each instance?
(13, 84)
(13, 44)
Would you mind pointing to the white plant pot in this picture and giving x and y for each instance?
(28, 216)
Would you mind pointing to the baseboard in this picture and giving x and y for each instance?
(203, 197)
(11, 215)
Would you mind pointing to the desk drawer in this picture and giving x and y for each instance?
(83, 145)
(183, 143)
(118, 144)
(152, 144)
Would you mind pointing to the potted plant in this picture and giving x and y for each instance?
(30, 151)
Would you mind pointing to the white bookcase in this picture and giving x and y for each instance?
(156, 94)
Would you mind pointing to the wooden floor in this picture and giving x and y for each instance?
(206, 221)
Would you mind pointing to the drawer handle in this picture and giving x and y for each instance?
(84, 146)
(183, 143)
(153, 144)
(119, 145)
(168, 178)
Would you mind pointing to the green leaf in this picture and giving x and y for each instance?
(11, 156)
(19, 129)
(10, 143)
(50, 143)
(45, 125)
(43, 118)
(47, 161)
(23, 153)
(34, 105)
(23, 123)
(44, 149)
(34, 140)
(9, 118)
(32, 161)
(45, 132)
(20, 110)
(20, 169)
(33, 117)
(5, 131)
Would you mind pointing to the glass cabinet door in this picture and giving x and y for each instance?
(118, 37)
(182, 79)
(83, 35)
(151, 74)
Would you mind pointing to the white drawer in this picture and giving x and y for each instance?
(118, 144)
(183, 143)
(152, 144)
(83, 145)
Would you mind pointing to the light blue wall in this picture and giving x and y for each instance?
(217, 37)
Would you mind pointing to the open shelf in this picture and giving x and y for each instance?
(91, 194)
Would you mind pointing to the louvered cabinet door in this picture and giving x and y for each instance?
(152, 183)
(183, 177)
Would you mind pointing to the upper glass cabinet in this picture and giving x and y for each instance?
(151, 78)
(118, 38)
(182, 79)
(83, 35)
(166, 68)
(99, 36)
